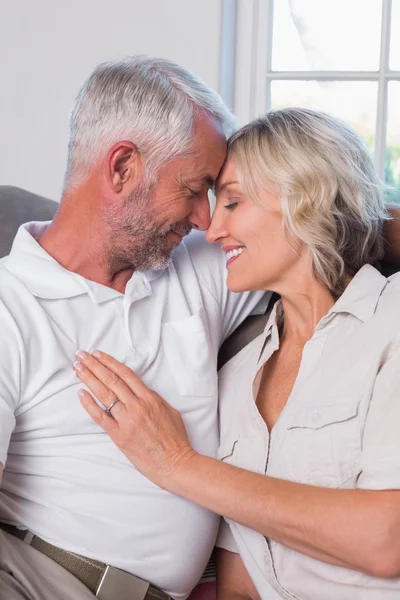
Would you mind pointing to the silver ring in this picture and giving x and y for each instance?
(108, 410)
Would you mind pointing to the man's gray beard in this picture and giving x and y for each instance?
(138, 241)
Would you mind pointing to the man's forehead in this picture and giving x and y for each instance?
(209, 139)
(206, 126)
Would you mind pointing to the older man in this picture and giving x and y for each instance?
(147, 141)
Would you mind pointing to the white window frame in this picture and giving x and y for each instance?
(246, 54)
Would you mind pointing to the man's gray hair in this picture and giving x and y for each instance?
(151, 102)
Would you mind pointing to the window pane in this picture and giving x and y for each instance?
(394, 62)
(324, 35)
(392, 163)
(354, 102)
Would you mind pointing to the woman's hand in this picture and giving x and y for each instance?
(142, 424)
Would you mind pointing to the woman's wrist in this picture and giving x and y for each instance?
(193, 479)
(172, 471)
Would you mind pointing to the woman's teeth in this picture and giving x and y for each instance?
(234, 252)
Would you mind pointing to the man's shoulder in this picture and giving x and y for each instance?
(5, 279)
(10, 316)
(8, 281)
(14, 296)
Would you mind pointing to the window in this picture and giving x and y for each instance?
(340, 56)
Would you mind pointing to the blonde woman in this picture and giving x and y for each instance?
(308, 475)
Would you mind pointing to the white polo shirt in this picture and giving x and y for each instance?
(340, 428)
(64, 479)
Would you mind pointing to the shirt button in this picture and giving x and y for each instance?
(315, 417)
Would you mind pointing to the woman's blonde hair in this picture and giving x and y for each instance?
(332, 197)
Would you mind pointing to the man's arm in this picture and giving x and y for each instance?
(392, 235)
(11, 359)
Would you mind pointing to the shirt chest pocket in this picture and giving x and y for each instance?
(323, 443)
(191, 356)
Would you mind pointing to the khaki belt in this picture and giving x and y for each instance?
(104, 581)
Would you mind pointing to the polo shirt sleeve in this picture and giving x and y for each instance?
(235, 307)
(210, 265)
(10, 365)
(380, 456)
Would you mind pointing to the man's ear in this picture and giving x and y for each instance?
(124, 166)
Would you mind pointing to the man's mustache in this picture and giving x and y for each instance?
(181, 229)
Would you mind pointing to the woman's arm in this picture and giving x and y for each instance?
(358, 529)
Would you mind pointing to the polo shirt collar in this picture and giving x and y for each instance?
(47, 279)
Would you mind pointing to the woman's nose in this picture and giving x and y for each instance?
(216, 230)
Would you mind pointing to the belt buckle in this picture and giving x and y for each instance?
(116, 583)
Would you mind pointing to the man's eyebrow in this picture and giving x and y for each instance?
(220, 188)
(208, 179)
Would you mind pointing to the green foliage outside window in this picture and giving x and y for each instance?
(392, 173)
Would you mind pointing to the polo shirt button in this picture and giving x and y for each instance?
(315, 417)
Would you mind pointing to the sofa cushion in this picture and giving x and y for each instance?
(18, 206)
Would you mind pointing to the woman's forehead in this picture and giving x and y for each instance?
(227, 174)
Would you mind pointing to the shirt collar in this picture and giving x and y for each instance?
(271, 330)
(46, 278)
(361, 296)
(360, 299)
(275, 318)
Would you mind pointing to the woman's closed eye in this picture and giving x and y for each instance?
(231, 205)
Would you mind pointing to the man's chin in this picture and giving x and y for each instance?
(156, 263)
(157, 256)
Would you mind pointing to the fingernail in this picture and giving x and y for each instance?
(82, 354)
(78, 366)
(81, 394)
(97, 354)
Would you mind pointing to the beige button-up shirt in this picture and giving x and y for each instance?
(339, 429)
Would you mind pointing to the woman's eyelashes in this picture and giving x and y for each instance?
(231, 204)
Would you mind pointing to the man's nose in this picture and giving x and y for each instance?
(199, 218)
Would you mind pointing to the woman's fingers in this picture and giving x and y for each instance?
(122, 371)
(144, 426)
(104, 394)
(98, 415)
(106, 385)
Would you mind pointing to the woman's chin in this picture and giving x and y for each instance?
(237, 284)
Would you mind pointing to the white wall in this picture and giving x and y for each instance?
(49, 47)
